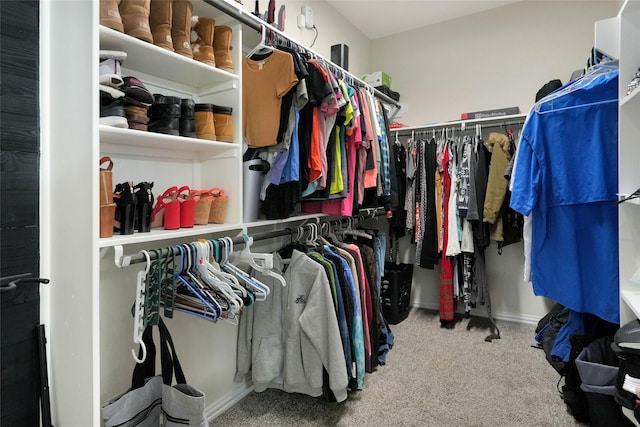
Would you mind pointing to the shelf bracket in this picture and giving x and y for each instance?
(120, 259)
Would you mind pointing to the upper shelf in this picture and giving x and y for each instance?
(156, 61)
(139, 143)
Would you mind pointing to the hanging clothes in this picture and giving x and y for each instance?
(572, 261)
(264, 82)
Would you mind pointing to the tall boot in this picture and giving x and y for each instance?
(110, 14)
(223, 121)
(181, 27)
(135, 19)
(202, 46)
(160, 18)
(222, 48)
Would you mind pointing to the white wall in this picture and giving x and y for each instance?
(493, 59)
(498, 58)
(332, 27)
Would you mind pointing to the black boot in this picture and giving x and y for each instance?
(187, 114)
(164, 115)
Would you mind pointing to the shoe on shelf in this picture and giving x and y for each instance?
(166, 212)
(111, 67)
(160, 18)
(187, 118)
(205, 128)
(181, 27)
(135, 19)
(112, 107)
(137, 117)
(223, 121)
(187, 207)
(202, 208)
(222, 47)
(219, 204)
(125, 214)
(165, 117)
(135, 92)
(107, 206)
(202, 30)
(144, 206)
(110, 15)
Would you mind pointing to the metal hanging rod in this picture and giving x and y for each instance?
(122, 260)
(469, 122)
(257, 24)
(405, 132)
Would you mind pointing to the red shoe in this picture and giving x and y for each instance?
(187, 207)
(167, 210)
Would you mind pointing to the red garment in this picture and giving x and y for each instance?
(447, 304)
(341, 207)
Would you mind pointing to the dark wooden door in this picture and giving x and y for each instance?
(19, 220)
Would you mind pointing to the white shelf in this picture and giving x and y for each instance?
(139, 143)
(632, 299)
(632, 99)
(156, 61)
(157, 234)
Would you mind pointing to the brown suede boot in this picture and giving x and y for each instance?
(205, 128)
(135, 19)
(110, 14)
(223, 121)
(222, 47)
(181, 27)
(160, 18)
(202, 46)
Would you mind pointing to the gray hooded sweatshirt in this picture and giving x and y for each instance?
(286, 340)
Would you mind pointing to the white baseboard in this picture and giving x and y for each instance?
(228, 400)
(482, 312)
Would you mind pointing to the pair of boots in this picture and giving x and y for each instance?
(214, 122)
(170, 24)
(211, 44)
(173, 116)
(165, 23)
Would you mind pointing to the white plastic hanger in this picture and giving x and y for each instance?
(262, 44)
(265, 264)
(138, 317)
(260, 290)
(219, 286)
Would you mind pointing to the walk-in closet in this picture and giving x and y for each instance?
(319, 213)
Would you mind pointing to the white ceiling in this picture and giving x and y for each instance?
(381, 18)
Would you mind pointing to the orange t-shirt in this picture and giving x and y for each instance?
(264, 83)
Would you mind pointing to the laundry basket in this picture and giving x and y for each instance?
(396, 291)
(597, 365)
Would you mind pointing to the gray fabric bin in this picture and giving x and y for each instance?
(597, 365)
(596, 376)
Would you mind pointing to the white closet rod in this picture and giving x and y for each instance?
(369, 213)
(256, 23)
(429, 126)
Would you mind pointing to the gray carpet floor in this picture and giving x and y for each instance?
(433, 377)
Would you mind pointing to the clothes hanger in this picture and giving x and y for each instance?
(215, 269)
(260, 262)
(220, 287)
(261, 45)
(260, 289)
(138, 315)
(210, 310)
(247, 296)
